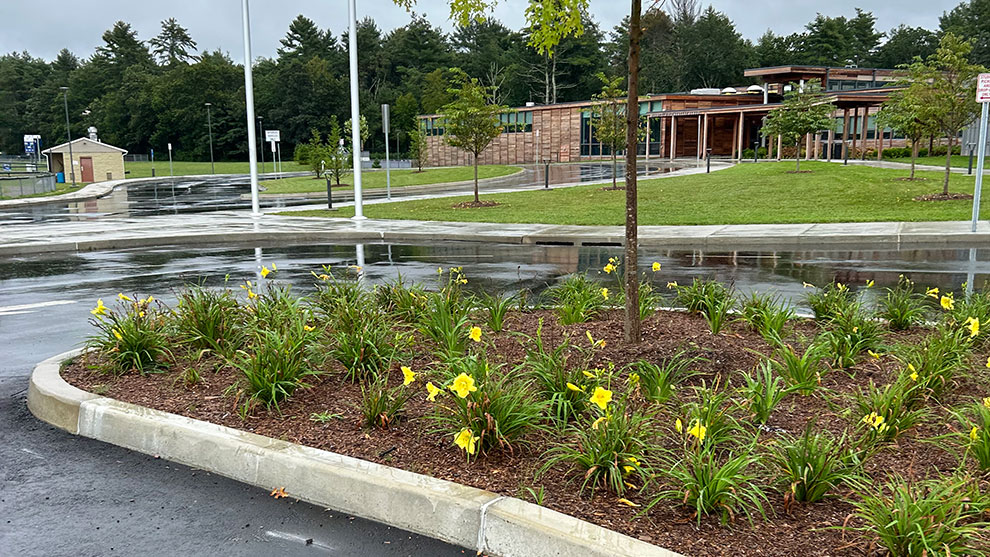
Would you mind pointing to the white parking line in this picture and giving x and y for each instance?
(14, 310)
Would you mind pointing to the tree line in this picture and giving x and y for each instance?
(142, 94)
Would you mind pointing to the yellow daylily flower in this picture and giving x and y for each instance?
(598, 422)
(466, 440)
(973, 433)
(679, 426)
(590, 375)
(807, 285)
(608, 268)
(698, 431)
(604, 292)
(251, 295)
(439, 270)
(265, 272)
(932, 292)
(633, 378)
(601, 397)
(627, 502)
(672, 284)
(873, 354)
(140, 314)
(656, 266)
(463, 385)
(117, 334)
(986, 402)
(408, 375)
(914, 376)
(575, 388)
(475, 334)
(100, 309)
(869, 284)
(433, 391)
(274, 268)
(973, 324)
(948, 304)
(841, 287)
(988, 361)
(125, 297)
(308, 328)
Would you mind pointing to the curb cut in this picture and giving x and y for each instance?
(454, 513)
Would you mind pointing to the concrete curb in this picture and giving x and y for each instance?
(451, 512)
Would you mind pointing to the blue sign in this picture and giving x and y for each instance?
(29, 146)
(6, 167)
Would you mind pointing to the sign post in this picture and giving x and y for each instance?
(982, 97)
(275, 138)
(388, 176)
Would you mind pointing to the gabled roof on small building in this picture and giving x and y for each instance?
(85, 145)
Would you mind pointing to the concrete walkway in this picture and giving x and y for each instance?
(239, 227)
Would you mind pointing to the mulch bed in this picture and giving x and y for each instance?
(807, 529)
(476, 204)
(943, 197)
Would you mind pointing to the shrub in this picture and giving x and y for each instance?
(936, 359)
(711, 412)
(577, 299)
(811, 465)
(565, 390)
(803, 372)
(275, 368)
(886, 412)
(659, 381)
(607, 452)
(975, 306)
(209, 320)
(973, 438)
(132, 336)
(496, 307)
(368, 345)
(767, 314)
(497, 414)
(763, 391)
(830, 300)
(709, 481)
(922, 518)
(382, 406)
(704, 296)
(901, 306)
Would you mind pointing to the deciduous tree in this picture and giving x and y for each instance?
(471, 122)
(804, 110)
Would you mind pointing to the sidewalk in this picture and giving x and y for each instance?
(204, 229)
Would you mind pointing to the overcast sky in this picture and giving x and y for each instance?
(44, 28)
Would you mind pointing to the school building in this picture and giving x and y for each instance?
(678, 125)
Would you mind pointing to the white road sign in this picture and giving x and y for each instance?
(272, 135)
(983, 88)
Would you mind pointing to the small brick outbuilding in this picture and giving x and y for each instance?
(93, 161)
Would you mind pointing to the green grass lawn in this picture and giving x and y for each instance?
(183, 168)
(400, 178)
(959, 161)
(744, 194)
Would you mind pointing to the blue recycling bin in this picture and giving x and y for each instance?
(60, 177)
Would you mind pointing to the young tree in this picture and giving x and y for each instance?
(363, 132)
(804, 110)
(945, 84)
(471, 123)
(904, 112)
(608, 118)
(173, 45)
(314, 153)
(337, 155)
(418, 149)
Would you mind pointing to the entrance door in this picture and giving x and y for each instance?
(87, 168)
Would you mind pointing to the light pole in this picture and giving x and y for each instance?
(249, 101)
(261, 132)
(209, 127)
(68, 134)
(355, 109)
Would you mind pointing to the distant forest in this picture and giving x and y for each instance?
(142, 93)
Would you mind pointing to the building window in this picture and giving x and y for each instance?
(517, 122)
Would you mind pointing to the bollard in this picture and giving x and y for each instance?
(708, 161)
(546, 174)
(329, 196)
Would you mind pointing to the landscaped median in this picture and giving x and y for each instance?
(761, 193)
(525, 426)
(399, 179)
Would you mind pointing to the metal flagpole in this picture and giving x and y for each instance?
(249, 101)
(355, 109)
(983, 97)
(388, 175)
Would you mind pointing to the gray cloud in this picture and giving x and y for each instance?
(216, 23)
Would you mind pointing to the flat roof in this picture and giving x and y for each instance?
(795, 68)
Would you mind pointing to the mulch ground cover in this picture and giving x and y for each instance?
(799, 529)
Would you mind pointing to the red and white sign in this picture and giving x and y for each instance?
(983, 88)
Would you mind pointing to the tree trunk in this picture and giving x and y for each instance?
(797, 158)
(476, 199)
(914, 155)
(948, 167)
(631, 322)
(615, 166)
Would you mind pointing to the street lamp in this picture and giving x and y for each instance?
(68, 134)
(355, 110)
(209, 127)
(261, 132)
(249, 102)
